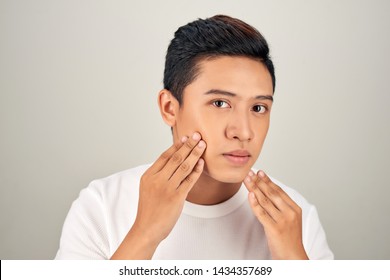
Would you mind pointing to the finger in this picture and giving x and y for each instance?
(267, 204)
(275, 193)
(187, 184)
(249, 181)
(166, 155)
(188, 165)
(180, 156)
(260, 213)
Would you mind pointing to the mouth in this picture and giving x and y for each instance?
(238, 157)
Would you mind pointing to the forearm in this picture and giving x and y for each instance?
(135, 246)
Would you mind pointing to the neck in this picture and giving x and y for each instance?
(208, 191)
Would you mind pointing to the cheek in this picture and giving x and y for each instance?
(187, 124)
(198, 121)
(260, 138)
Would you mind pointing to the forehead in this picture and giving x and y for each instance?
(242, 75)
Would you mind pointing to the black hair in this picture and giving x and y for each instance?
(208, 38)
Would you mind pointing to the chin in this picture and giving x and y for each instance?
(227, 175)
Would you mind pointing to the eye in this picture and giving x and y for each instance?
(259, 109)
(221, 104)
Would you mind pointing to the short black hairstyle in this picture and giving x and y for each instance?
(201, 39)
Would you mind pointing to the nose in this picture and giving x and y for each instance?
(239, 127)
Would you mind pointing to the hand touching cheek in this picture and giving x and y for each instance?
(163, 190)
(280, 216)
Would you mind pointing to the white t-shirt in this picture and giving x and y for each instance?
(103, 214)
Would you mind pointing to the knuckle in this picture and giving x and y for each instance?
(196, 152)
(189, 145)
(185, 166)
(282, 222)
(279, 230)
(262, 212)
(264, 201)
(171, 199)
(197, 169)
(292, 216)
(189, 179)
(178, 145)
(177, 158)
(279, 189)
(165, 155)
(146, 178)
(272, 193)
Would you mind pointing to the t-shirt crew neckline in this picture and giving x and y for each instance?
(217, 210)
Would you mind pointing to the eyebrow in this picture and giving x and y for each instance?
(231, 94)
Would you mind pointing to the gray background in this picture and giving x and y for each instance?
(78, 88)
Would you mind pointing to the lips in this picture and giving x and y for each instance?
(237, 157)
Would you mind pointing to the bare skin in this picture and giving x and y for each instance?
(280, 216)
(228, 105)
(163, 190)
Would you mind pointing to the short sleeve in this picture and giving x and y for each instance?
(85, 231)
(314, 238)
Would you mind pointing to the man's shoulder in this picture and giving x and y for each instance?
(119, 182)
(128, 174)
(292, 193)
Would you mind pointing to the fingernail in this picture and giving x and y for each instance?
(196, 136)
(200, 161)
(251, 173)
(261, 173)
(202, 144)
(184, 139)
(248, 179)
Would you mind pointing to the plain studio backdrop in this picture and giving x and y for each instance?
(78, 101)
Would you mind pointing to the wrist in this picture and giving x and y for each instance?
(146, 237)
(136, 246)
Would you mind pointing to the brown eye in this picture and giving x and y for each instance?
(259, 109)
(220, 104)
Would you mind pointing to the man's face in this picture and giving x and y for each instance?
(229, 103)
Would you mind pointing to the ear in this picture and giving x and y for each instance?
(169, 106)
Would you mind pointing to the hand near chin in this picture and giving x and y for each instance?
(280, 216)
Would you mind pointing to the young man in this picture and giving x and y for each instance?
(200, 199)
